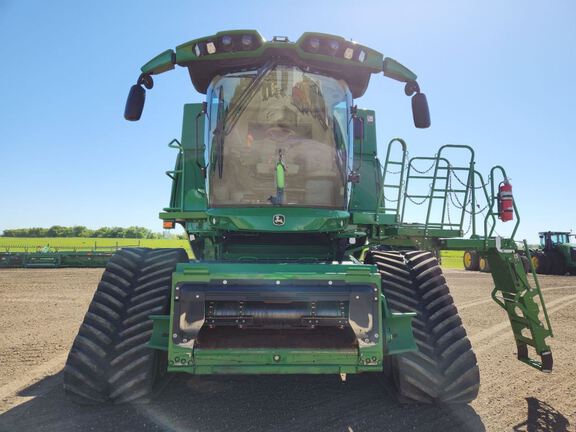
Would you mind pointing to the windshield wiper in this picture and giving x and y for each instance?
(219, 134)
(240, 106)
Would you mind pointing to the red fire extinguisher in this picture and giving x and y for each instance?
(505, 201)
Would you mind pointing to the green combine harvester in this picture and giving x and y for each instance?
(305, 261)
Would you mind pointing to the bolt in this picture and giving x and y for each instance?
(329, 282)
(175, 335)
(367, 340)
(225, 282)
(376, 335)
(177, 288)
(276, 358)
(197, 295)
(184, 340)
(375, 298)
(357, 297)
(277, 282)
(176, 298)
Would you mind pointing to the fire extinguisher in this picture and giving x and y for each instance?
(505, 201)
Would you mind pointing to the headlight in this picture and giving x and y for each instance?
(348, 53)
(247, 41)
(314, 44)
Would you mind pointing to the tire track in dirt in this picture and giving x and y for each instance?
(476, 338)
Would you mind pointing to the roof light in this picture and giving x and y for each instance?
(348, 53)
(247, 41)
(314, 44)
(210, 47)
(362, 56)
(226, 42)
(333, 46)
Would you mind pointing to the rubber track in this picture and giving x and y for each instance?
(444, 370)
(109, 360)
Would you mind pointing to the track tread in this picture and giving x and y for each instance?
(109, 360)
(444, 370)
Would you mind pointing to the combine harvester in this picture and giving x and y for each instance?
(305, 262)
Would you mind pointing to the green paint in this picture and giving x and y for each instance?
(272, 242)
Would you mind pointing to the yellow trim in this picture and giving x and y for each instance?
(482, 264)
(467, 259)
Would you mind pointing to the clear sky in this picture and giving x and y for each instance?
(499, 75)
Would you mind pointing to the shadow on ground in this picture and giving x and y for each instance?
(242, 403)
(542, 418)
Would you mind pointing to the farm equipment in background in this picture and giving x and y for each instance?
(306, 262)
(53, 259)
(556, 254)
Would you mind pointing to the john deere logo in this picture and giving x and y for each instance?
(278, 220)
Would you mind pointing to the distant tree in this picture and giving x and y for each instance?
(57, 231)
(137, 232)
(82, 231)
(102, 232)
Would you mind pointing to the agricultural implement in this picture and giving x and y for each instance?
(53, 259)
(306, 262)
(556, 256)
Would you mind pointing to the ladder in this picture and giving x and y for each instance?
(522, 303)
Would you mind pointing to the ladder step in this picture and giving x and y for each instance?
(520, 320)
(450, 190)
(428, 177)
(455, 168)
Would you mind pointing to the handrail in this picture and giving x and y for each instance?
(381, 196)
(491, 209)
(175, 144)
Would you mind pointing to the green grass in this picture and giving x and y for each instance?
(60, 244)
(452, 259)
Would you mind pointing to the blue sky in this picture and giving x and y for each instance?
(499, 75)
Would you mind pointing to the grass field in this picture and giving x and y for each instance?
(452, 259)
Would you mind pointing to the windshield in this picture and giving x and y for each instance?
(278, 136)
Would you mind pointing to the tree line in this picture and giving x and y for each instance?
(82, 231)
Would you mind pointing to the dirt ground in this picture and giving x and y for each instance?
(40, 311)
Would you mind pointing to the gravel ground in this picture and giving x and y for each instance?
(40, 311)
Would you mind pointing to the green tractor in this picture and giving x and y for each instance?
(304, 262)
(556, 254)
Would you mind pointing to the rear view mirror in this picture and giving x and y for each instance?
(135, 103)
(420, 111)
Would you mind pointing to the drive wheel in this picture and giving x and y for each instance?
(470, 259)
(557, 264)
(109, 360)
(483, 265)
(541, 262)
(444, 370)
